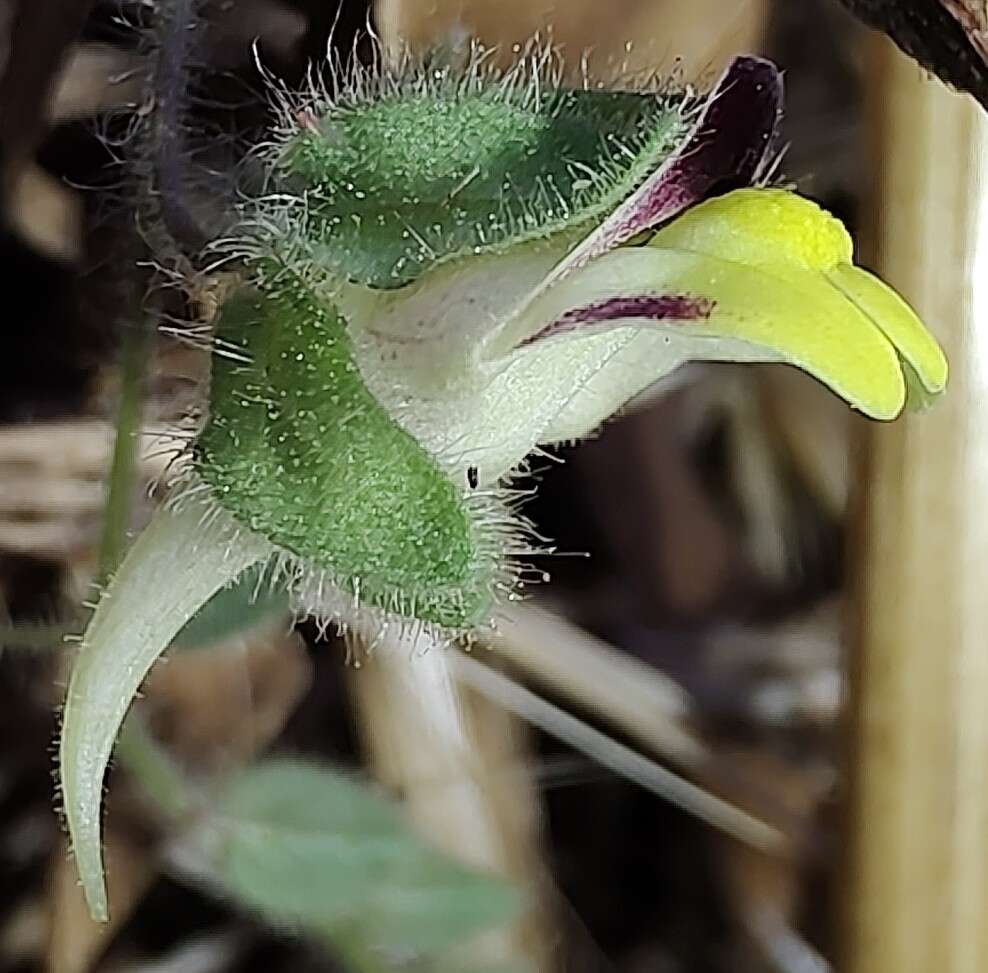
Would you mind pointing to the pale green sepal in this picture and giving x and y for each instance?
(177, 564)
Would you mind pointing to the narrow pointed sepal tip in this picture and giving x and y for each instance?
(94, 889)
(180, 561)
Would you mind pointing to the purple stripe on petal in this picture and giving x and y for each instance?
(662, 307)
(728, 146)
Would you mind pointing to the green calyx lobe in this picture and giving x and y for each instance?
(395, 186)
(299, 451)
(296, 447)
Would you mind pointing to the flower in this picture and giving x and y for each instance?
(448, 275)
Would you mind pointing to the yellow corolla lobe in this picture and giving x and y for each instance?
(771, 229)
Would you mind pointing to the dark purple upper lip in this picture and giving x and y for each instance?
(729, 146)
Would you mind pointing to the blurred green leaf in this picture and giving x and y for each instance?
(248, 602)
(313, 848)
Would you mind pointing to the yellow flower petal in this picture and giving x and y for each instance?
(899, 322)
(757, 275)
(772, 229)
(743, 313)
(784, 234)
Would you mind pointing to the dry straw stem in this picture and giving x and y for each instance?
(95, 78)
(48, 215)
(629, 37)
(620, 759)
(75, 942)
(52, 482)
(46, 212)
(916, 891)
(462, 768)
(633, 697)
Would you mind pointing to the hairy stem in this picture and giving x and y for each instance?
(177, 36)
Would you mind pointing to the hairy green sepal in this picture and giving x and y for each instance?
(299, 451)
(394, 187)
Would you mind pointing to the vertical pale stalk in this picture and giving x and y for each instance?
(137, 345)
(916, 892)
(460, 765)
